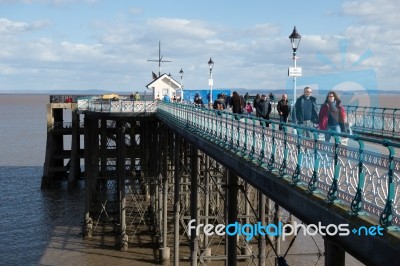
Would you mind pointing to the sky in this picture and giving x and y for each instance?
(106, 45)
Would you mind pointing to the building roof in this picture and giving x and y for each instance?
(164, 78)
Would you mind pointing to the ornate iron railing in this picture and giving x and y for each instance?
(99, 105)
(364, 173)
(365, 120)
(370, 120)
(383, 121)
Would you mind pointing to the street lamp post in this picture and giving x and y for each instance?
(210, 81)
(295, 71)
(181, 73)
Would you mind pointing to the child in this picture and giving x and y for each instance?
(249, 109)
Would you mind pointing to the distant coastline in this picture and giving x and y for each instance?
(240, 90)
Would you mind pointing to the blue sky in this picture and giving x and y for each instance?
(95, 44)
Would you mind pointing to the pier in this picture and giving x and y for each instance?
(62, 161)
(153, 167)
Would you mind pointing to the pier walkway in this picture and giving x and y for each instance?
(154, 167)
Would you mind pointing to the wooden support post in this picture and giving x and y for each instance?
(177, 207)
(207, 170)
(123, 237)
(334, 254)
(165, 250)
(194, 239)
(74, 165)
(232, 199)
(261, 238)
(90, 145)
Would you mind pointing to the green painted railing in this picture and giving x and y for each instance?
(365, 120)
(364, 173)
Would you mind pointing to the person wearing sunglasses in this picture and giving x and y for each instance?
(305, 111)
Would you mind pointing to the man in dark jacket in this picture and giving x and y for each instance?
(305, 110)
(264, 108)
(283, 108)
(255, 103)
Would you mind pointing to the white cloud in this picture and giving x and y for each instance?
(48, 2)
(373, 11)
(8, 26)
(254, 56)
(181, 27)
(11, 27)
(135, 11)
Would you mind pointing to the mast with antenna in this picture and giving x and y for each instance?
(159, 59)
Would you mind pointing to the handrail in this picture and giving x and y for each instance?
(357, 175)
(365, 120)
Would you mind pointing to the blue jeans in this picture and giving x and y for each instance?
(333, 128)
(282, 119)
(309, 124)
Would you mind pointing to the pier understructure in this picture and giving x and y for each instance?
(152, 177)
(145, 179)
(64, 150)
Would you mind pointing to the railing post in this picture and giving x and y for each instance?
(215, 125)
(188, 111)
(332, 193)
(209, 132)
(297, 171)
(373, 119)
(203, 111)
(253, 145)
(357, 200)
(226, 129)
(244, 149)
(211, 121)
(196, 120)
(355, 115)
(314, 178)
(238, 133)
(231, 142)
(386, 216)
(270, 165)
(220, 118)
(394, 122)
(283, 167)
(383, 120)
(260, 160)
(363, 119)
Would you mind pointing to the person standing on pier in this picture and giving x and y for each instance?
(198, 101)
(332, 115)
(305, 111)
(264, 108)
(249, 109)
(219, 103)
(137, 96)
(246, 97)
(237, 104)
(255, 103)
(283, 108)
